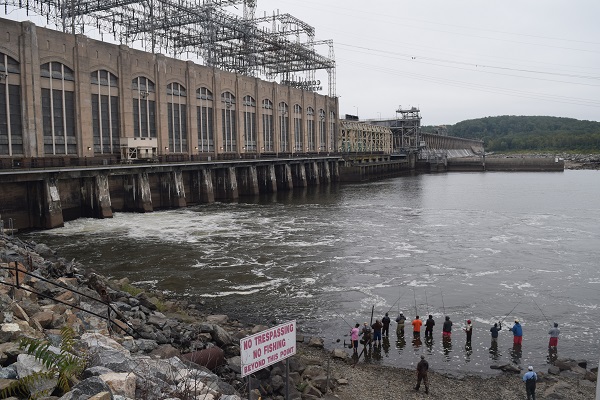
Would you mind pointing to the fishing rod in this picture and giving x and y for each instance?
(510, 312)
(372, 311)
(402, 295)
(542, 312)
(426, 302)
(343, 319)
(443, 305)
(415, 296)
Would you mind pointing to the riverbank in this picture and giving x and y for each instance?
(159, 348)
(365, 381)
(572, 161)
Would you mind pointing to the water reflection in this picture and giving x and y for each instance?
(447, 345)
(468, 352)
(377, 352)
(494, 353)
(386, 346)
(516, 353)
(416, 342)
(552, 354)
(429, 344)
(400, 344)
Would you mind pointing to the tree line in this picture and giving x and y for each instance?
(510, 133)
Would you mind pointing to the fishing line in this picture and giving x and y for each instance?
(541, 312)
(510, 311)
(396, 302)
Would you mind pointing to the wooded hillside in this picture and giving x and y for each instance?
(522, 133)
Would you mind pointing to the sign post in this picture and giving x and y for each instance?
(268, 347)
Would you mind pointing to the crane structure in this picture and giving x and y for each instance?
(224, 34)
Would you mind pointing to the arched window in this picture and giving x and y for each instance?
(322, 131)
(177, 117)
(268, 129)
(298, 133)
(284, 133)
(144, 107)
(332, 132)
(58, 109)
(105, 112)
(310, 128)
(229, 123)
(249, 124)
(204, 112)
(11, 129)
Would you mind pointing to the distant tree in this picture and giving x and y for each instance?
(529, 133)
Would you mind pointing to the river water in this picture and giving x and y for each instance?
(468, 245)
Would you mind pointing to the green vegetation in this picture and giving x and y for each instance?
(65, 367)
(510, 133)
(130, 289)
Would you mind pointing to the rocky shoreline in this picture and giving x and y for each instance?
(158, 348)
(572, 161)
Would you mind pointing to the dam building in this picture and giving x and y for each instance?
(65, 96)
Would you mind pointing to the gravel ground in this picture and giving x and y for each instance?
(376, 382)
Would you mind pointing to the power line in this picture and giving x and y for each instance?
(412, 57)
(380, 16)
(479, 87)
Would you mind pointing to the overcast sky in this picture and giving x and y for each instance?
(456, 60)
(460, 59)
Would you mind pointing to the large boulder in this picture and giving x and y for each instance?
(220, 336)
(28, 365)
(210, 358)
(316, 342)
(91, 386)
(123, 383)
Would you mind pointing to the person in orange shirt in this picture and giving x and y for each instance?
(417, 327)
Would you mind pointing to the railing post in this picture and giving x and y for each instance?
(17, 274)
(108, 319)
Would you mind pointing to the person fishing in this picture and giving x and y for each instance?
(495, 329)
(429, 324)
(517, 331)
(469, 330)
(377, 327)
(554, 332)
(447, 328)
(417, 327)
(386, 325)
(366, 334)
(400, 320)
(354, 333)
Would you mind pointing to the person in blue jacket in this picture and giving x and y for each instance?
(517, 331)
(530, 379)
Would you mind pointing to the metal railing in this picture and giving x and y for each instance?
(17, 285)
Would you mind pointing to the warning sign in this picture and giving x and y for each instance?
(268, 347)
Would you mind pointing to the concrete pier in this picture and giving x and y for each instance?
(96, 197)
(137, 194)
(51, 207)
(267, 180)
(284, 177)
(299, 175)
(248, 181)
